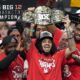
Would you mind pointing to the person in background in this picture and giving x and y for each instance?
(63, 43)
(72, 71)
(14, 31)
(17, 33)
(11, 64)
(3, 32)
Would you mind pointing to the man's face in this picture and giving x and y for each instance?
(16, 34)
(46, 45)
(3, 32)
(10, 47)
(77, 33)
(77, 36)
(39, 29)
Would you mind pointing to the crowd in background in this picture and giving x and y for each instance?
(40, 50)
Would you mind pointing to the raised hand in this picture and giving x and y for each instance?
(66, 21)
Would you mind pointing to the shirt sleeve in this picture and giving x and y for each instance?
(57, 36)
(32, 49)
(61, 55)
(6, 61)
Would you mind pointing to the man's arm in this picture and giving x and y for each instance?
(51, 28)
(57, 33)
(71, 42)
(4, 64)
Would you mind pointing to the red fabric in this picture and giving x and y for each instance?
(14, 71)
(44, 67)
(74, 68)
(57, 36)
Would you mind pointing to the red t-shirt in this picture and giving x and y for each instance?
(43, 67)
(15, 70)
(74, 68)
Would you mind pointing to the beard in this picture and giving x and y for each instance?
(46, 53)
(8, 51)
(51, 52)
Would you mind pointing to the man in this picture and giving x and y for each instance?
(14, 31)
(45, 57)
(73, 68)
(17, 33)
(11, 64)
(3, 31)
(45, 62)
(44, 24)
